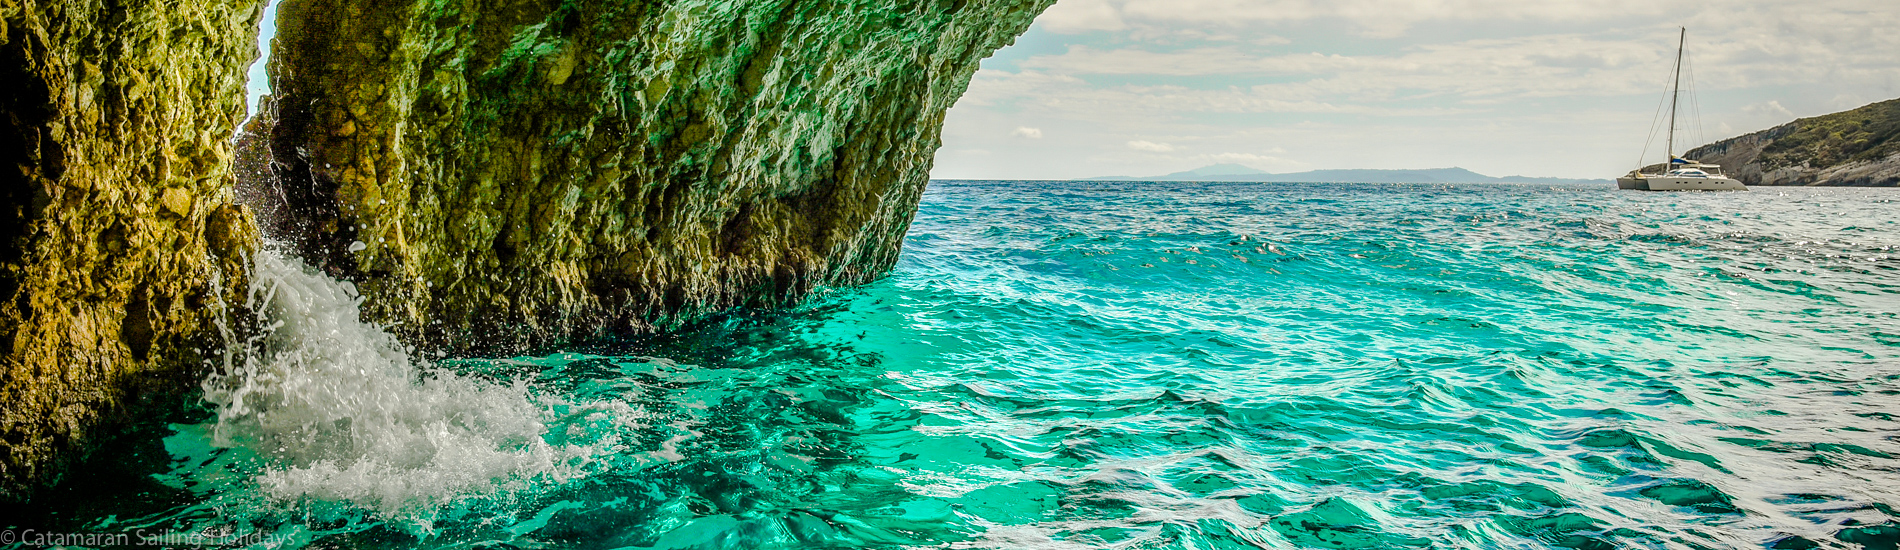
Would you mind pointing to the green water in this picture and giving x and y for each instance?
(1084, 365)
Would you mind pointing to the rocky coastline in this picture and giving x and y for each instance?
(1851, 148)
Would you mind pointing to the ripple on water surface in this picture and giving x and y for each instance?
(1084, 365)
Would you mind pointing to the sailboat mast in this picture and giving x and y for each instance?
(1675, 92)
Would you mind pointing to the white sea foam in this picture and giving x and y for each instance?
(343, 412)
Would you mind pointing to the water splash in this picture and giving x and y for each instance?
(341, 411)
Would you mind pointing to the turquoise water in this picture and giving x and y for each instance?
(1139, 365)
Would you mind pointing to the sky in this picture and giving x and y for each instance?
(1501, 87)
(257, 78)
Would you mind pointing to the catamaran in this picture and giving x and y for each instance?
(1679, 174)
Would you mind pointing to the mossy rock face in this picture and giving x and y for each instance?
(115, 222)
(1859, 147)
(528, 172)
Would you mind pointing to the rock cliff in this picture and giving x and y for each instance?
(1856, 148)
(493, 173)
(116, 227)
(504, 173)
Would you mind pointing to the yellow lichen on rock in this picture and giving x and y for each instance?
(115, 137)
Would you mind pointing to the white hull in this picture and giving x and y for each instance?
(1666, 183)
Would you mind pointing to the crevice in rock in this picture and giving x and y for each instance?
(737, 231)
(26, 154)
(136, 331)
(256, 184)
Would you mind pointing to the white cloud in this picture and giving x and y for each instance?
(1538, 66)
(1143, 145)
(1026, 132)
(1077, 16)
(1772, 108)
(1084, 60)
(1055, 94)
(1847, 101)
(1377, 18)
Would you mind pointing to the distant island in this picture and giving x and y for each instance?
(1241, 173)
(1857, 147)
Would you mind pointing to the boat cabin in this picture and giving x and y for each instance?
(1679, 168)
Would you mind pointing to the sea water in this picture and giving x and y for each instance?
(1117, 365)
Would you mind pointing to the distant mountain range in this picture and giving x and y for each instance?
(1240, 173)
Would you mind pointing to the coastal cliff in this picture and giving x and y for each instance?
(1849, 148)
(492, 176)
(117, 230)
(516, 173)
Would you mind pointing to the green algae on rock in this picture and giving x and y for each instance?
(117, 227)
(505, 173)
(1857, 147)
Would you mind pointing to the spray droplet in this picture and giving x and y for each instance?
(357, 246)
